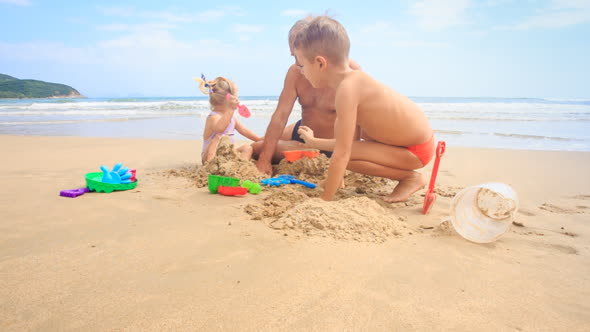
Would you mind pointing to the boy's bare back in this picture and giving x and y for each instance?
(384, 115)
(397, 136)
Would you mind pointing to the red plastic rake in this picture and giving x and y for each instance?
(430, 195)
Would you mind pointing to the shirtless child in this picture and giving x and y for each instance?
(317, 112)
(397, 136)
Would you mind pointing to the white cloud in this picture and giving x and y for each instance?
(113, 27)
(561, 13)
(419, 43)
(209, 15)
(118, 11)
(48, 51)
(571, 4)
(294, 12)
(436, 14)
(17, 2)
(248, 28)
(136, 49)
(169, 16)
(143, 27)
(380, 27)
(496, 3)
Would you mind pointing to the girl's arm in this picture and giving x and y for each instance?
(219, 122)
(347, 97)
(247, 132)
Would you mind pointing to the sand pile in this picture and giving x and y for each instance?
(494, 205)
(306, 169)
(355, 218)
(277, 202)
(315, 170)
(356, 183)
(225, 163)
(445, 228)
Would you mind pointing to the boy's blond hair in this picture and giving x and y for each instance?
(323, 36)
(218, 89)
(297, 27)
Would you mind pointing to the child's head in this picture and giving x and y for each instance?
(322, 36)
(218, 89)
(295, 30)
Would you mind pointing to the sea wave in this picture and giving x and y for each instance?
(58, 122)
(512, 135)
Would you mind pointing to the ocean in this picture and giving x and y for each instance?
(512, 123)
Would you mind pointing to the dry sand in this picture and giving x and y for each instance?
(170, 256)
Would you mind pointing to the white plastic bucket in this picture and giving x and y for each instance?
(484, 212)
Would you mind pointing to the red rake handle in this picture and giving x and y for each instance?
(440, 150)
(430, 196)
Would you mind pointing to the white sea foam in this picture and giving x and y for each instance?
(494, 122)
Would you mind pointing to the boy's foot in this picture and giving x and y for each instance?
(405, 188)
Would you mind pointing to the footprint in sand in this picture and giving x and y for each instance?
(570, 234)
(447, 173)
(563, 210)
(526, 212)
(447, 191)
(528, 232)
(562, 249)
(412, 201)
(163, 198)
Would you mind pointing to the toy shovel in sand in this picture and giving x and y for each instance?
(430, 195)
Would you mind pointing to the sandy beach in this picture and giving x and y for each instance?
(170, 256)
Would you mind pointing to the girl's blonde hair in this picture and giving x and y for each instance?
(217, 89)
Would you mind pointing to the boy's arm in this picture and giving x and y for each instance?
(347, 97)
(306, 133)
(249, 134)
(279, 120)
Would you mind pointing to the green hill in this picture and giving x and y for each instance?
(11, 87)
(6, 78)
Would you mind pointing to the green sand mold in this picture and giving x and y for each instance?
(214, 181)
(253, 188)
(94, 183)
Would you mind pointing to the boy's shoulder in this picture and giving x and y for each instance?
(294, 74)
(354, 78)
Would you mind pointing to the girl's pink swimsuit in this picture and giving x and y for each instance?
(229, 131)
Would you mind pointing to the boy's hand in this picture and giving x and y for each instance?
(306, 134)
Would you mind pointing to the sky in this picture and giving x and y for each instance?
(426, 48)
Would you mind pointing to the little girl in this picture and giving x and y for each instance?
(223, 97)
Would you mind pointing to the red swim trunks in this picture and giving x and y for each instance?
(424, 151)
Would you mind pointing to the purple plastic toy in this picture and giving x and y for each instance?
(74, 192)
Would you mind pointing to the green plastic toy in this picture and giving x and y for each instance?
(253, 188)
(94, 183)
(214, 181)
